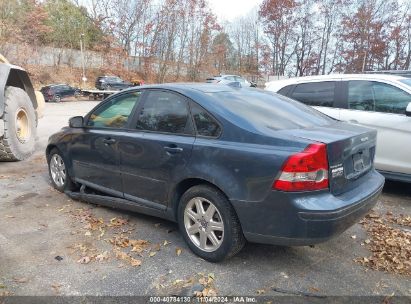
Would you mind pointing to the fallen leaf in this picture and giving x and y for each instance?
(178, 251)
(135, 262)
(88, 233)
(84, 260)
(20, 280)
(102, 232)
(117, 222)
(56, 287)
(354, 237)
(152, 253)
(157, 225)
(102, 256)
(166, 243)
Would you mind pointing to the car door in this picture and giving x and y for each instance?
(322, 95)
(94, 149)
(159, 149)
(382, 106)
(65, 92)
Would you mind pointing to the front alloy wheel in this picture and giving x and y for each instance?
(58, 170)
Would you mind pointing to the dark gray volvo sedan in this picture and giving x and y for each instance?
(228, 164)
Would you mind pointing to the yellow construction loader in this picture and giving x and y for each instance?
(20, 109)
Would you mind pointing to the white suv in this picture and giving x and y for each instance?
(382, 102)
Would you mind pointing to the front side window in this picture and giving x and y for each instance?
(205, 123)
(116, 112)
(390, 99)
(315, 93)
(164, 112)
(377, 96)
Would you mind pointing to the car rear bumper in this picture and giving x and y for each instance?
(296, 219)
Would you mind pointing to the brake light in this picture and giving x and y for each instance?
(304, 171)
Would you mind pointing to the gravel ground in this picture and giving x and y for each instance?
(38, 224)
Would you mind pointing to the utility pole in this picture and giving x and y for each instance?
(363, 62)
(84, 78)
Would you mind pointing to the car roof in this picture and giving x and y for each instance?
(187, 86)
(224, 75)
(55, 84)
(278, 84)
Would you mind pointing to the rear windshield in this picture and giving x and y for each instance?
(261, 109)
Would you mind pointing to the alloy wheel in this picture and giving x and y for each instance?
(204, 224)
(58, 170)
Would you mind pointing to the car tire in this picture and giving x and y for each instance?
(219, 244)
(59, 176)
(57, 98)
(19, 118)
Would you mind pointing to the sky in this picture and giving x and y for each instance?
(230, 9)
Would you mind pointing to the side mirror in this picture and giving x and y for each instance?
(76, 122)
(408, 110)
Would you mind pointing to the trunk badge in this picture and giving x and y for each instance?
(337, 170)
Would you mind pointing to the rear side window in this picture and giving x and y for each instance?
(284, 91)
(206, 125)
(315, 93)
(164, 112)
(377, 96)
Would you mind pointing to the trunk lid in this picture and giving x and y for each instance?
(350, 151)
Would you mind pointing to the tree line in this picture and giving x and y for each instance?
(182, 39)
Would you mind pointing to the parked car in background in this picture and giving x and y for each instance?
(112, 83)
(59, 92)
(228, 164)
(382, 102)
(227, 79)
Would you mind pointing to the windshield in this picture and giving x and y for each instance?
(260, 110)
(406, 81)
(114, 79)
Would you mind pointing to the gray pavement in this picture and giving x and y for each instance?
(38, 224)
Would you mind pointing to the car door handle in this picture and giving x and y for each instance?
(173, 149)
(353, 121)
(109, 141)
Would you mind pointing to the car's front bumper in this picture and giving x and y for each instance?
(294, 219)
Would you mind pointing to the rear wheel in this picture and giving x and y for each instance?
(59, 175)
(209, 224)
(57, 98)
(19, 120)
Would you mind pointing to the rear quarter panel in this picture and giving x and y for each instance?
(242, 171)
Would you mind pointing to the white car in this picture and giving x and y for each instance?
(228, 79)
(382, 102)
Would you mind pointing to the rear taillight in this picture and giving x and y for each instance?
(304, 171)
